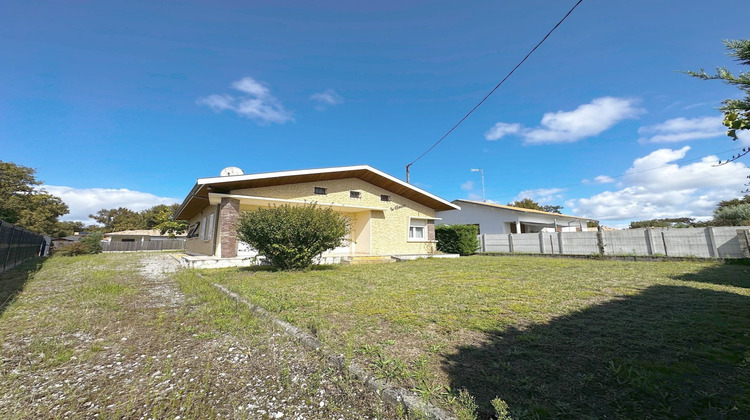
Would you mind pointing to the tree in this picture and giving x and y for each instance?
(291, 237)
(737, 215)
(676, 222)
(25, 205)
(736, 111)
(732, 202)
(528, 203)
(161, 217)
(67, 228)
(115, 220)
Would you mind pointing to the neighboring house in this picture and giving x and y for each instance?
(143, 235)
(60, 242)
(387, 216)
(496, 218)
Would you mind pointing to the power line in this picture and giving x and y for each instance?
(493, 89)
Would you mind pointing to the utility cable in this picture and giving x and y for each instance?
(495, 88)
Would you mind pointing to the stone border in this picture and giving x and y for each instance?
(391, 394)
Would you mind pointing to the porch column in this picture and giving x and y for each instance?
(229, 213)
(518, 226)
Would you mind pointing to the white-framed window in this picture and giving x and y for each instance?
(417, 229)
(209, 227)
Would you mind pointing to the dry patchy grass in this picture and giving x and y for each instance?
(123, 336)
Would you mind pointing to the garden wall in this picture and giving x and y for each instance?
(710, 242)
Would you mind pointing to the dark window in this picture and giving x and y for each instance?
(385, 197)
(128, 240)
(355, 194)
(321, 190)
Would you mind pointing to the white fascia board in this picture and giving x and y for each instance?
(215, 198)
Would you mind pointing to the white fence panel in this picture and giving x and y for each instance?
(527, 243)
(711, 242)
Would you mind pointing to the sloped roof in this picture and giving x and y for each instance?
(198, 199)
(520, 209)
(140, 232)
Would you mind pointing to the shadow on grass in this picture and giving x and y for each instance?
(730, 273)
(669, 351)
(13, 281)
(272, 268)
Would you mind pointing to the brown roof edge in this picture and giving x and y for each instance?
(388, 182)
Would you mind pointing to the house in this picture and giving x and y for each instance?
(139, 235)
(498, 219)
(387, 216)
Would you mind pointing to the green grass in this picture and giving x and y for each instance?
(550, 337)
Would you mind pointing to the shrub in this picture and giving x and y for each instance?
(290, 237)
(91, 244)
(737, 215)
(457, 239)
(94, 242)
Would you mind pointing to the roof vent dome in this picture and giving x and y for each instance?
(231, 171)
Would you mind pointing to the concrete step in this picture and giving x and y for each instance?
(367, 260)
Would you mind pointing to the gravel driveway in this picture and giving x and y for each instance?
(113, 336)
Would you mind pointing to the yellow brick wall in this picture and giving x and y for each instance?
(389, 228)
(197, 245)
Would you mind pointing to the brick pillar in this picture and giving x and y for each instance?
(229, 213)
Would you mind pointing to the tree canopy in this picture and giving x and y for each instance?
(24, 204)
(160, 217)
(736, 111)
(528, 203)
(675, 222)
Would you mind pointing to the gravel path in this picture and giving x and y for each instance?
(112, 336)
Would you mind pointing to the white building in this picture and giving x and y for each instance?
(496, 218)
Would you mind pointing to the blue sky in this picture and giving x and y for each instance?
(127, 103)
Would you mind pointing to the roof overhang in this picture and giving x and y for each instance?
(215, 198)
(198, 198)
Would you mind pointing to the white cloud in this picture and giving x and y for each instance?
(500, 130)
(682, 129)
(328, 97)
(542, 195)
(603, 179)
(656, 187)
(254, 101)
(587, 120)
(85, 201)
(467, 186)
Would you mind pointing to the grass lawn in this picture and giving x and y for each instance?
(550, 337)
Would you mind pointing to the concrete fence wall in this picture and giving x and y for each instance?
(711, 242)
(161, 245)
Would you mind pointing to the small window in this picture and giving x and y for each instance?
(209, 228)
(321, 190)
(355, 194)
(128, 240)
(385, 197)
(418, 229)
